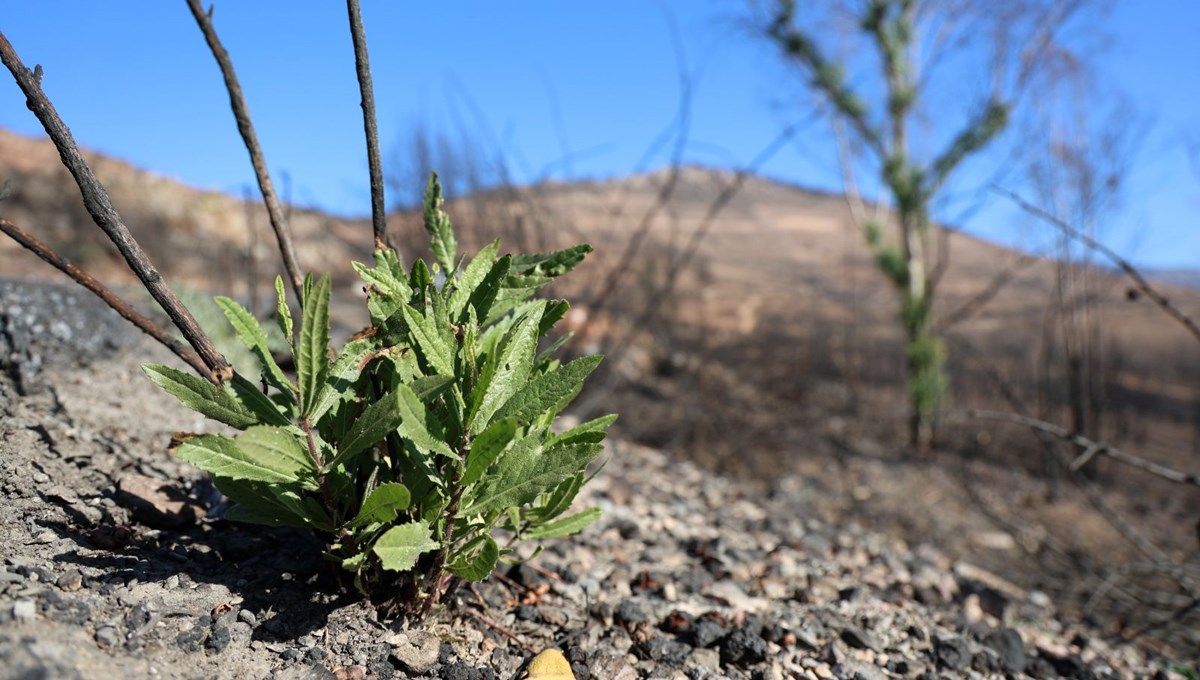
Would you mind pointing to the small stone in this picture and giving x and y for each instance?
(24, 611)
(743, 648)
(1007, 643)
(952, 652)
(246, 616)
(108, 637)
(156, 502)
(416, 651)
(860, 639)
(70, 581)
(704, 659)
(350, 672)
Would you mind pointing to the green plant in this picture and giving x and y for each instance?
(429, 431)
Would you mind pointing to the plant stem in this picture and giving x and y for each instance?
(237, 102)
(100, 207)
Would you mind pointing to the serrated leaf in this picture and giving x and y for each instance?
(554, 313)
(264, 409)
(593, 431)
(474, 273)
(559, 500)
(476, 560)
(424, 332)
(201, 396)
(221, 456)
(524, 473)
(283, 313)
(484, 295)
(280, 449)
(429, 386)
(255, 339)
(437, 223)
(345, 371)
(399, 547)
(550, 392)
(272, 505)
(571, 524)
(312, 356)
(507, 372)
(373, 425)
(414, 424)
(382, 505)
(486, 447)
(552, 264)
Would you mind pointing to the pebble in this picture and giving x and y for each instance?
(24, 610)
(415, 650)
(108, 637)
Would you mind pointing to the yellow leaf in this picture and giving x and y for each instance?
(550, 665)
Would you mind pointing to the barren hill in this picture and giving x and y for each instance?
(760, 342)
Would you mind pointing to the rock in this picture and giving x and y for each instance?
(743, 648)
(605, 664)
(1007, 644)
(24, 611)
(70, 581)
(156, 503)
(952, 652)
(108, 637)
(860, 639)
(416, 650)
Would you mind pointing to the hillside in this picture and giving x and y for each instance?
(765, 348)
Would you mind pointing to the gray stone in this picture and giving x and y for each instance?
(24, 610)
(415, 650)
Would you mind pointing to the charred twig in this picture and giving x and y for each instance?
(1090, 447)
(1139, 281)
(104, 293)
(237, 102)
(501, 630)
(371, 129)
(100, 207)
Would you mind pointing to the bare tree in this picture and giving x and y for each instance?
(893, 115)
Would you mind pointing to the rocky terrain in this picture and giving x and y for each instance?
(116, 563)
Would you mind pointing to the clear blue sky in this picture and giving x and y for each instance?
(540, 80)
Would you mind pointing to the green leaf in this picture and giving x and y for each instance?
(382, 505)
(221, 456)
(507, 371)
(554, 313)
(373, 425)
(474, 273)
(437, 223)
(255, 339)
(476, 560)
(551, 264)
(279, 448)
(571, 524)
(283, 313)
(550, 392)
(486, 447)
(590, 432)
(355, 356)
(399, 547)
(414, 424)
(429, 386)
(523, 473)
(484, 295)
(265, 411)
(424, 332)
(312, 356)
(272, 504)
(559, 500)
(201, 396)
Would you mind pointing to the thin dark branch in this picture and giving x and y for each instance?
(100, 207)
(240, 113)
(110, 298)
(363, 66)
(1124, 265)
(1084, 443)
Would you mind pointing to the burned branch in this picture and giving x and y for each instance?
(100, 207)
(237, 102)
(104, 293)
(363, 66)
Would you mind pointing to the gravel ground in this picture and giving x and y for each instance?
(112, 565)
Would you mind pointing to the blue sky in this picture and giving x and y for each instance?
(541, 81)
